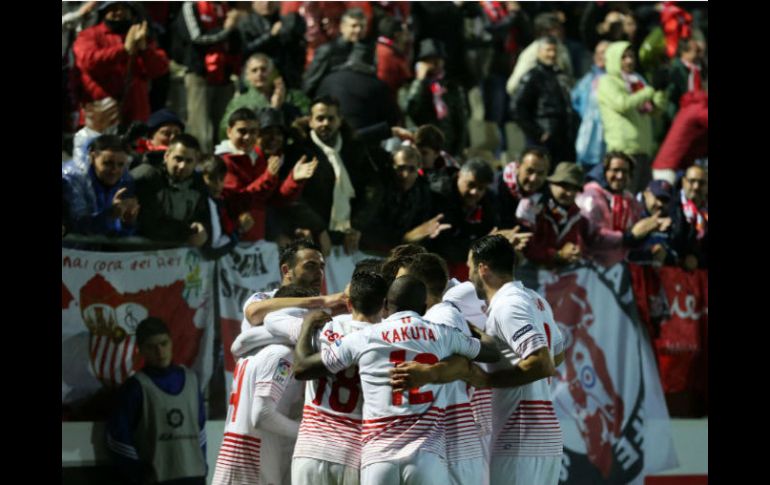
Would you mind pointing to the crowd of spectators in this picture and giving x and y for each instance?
(209, 123)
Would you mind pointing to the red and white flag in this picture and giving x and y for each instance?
(106, 295)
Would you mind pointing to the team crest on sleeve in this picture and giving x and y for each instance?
(522, 331)
(282, 371)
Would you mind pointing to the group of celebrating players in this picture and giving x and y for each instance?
(409, 377)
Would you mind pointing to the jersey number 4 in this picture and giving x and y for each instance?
(415, 396)
(235, 394)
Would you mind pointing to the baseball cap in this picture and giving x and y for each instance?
(660, 189)
(269, 117)
(162, 117)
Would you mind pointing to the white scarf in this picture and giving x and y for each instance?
(343, 188)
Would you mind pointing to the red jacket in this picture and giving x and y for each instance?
(250, 187)
(392, 66)
(104, 65)
(687, 139)
(548, 239)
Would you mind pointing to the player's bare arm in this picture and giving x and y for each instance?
(558, 359)
(538, 365)
(488, 352)
(307, 362)
(256, 312)
(409, 375)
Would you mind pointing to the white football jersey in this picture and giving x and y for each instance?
(396, 425)
(523, 419)
(267, 374)
(462, 432)
(463, 296)
(258, 296)
(332, 402)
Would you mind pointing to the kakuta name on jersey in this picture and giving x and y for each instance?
(408, 333)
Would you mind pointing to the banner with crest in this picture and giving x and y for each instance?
(106, 295)
(608, 395)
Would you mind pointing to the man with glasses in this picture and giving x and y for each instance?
(407, 214)
(692, 215)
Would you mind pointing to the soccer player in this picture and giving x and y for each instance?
(465, 456)
(333, 402)
(403, 434)
(301, 264)
(526, 443)
(262, 418)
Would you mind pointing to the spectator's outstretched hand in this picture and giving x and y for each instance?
(125, 208)
(645, 226)
(303, 169)
(569, 253)
(402, 133)
(430, 228)
(518, 240)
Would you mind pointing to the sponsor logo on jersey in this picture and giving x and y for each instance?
(522, 331)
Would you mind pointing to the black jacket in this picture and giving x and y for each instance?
(453, 244)
(542, 104)
(364, 100)
(168, 208)
(286, 49)
(366, 166)
(327, 56)
(398, 213)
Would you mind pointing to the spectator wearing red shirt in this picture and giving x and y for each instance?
(392, 58)
(253, 154)
(117, 59)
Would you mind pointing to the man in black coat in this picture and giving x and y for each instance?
(347, 185)
(364, 100)
(335, 52)
(542, 108)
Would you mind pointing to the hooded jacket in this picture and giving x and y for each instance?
(625, 127)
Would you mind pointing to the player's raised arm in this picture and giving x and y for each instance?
(256, 312)
(307, 362)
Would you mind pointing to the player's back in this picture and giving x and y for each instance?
(462, 431)
(332, 414)
(396, 425)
